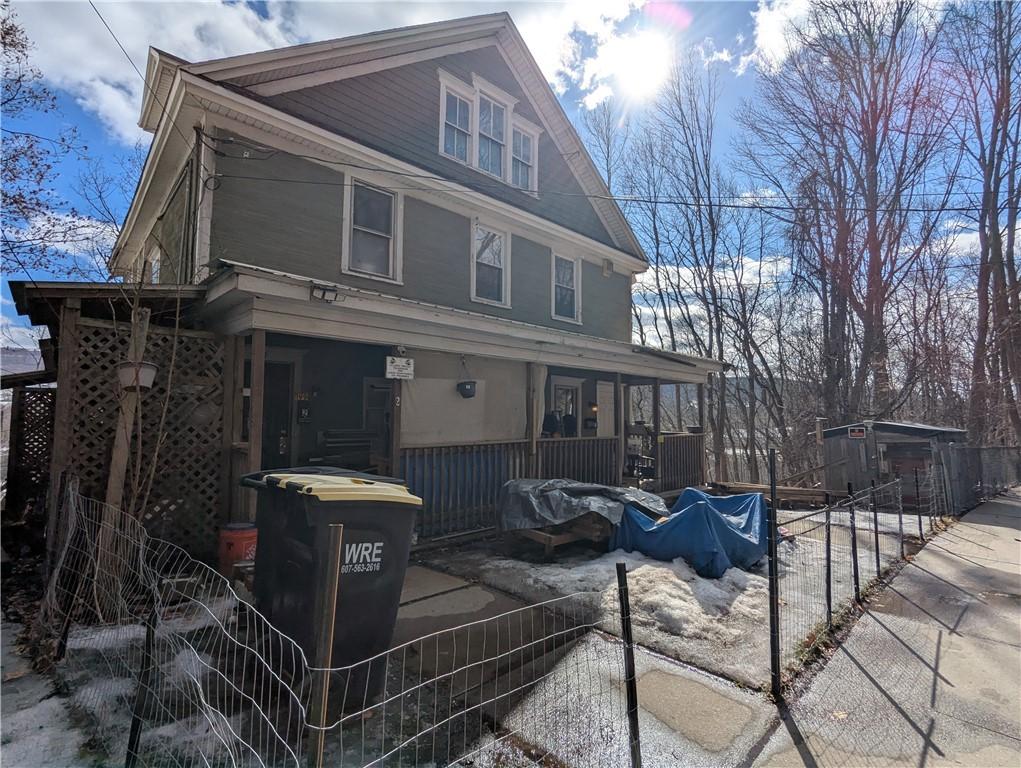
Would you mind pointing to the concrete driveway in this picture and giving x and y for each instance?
(931, 674)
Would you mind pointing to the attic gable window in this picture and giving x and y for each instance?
(478, 127)
(492, 119)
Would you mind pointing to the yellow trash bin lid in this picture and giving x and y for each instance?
(339, 488)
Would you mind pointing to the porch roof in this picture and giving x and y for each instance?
(243, 297)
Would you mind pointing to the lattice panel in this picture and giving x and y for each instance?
(32, 439)
(179, 441)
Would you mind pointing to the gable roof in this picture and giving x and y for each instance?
(281, 70)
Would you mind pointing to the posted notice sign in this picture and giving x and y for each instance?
(856, 433)
(400, 367)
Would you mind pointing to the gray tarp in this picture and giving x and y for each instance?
(538, 503)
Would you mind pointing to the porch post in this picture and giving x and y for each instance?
(701, 406)
(255, 400)
(395, 428)
(619, 405)
(67, 379)
(531, 419)
(657, 427)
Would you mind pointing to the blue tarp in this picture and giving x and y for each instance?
(712, 533)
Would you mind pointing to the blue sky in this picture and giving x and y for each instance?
(587, 48)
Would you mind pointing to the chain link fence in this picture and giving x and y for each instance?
(171, 667)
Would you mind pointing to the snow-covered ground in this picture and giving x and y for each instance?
(719, 625)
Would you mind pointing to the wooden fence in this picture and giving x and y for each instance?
(681, 461)
(30, 445)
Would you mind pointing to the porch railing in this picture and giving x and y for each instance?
(585, 459)
(459, 484)
(681, 461)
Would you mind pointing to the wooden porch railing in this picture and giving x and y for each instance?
(459, 484)
(681, 461)
(585, 459)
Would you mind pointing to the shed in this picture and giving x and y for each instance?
(882, 450)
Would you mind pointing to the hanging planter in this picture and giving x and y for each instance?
(136, 375)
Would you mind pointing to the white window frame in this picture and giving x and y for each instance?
(505, 233)
(396, 241)
(465, 92)
(576, 260)
(473, 93)
(530, 129)
(486, 94)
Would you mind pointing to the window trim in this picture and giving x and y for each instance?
(396, 276)
(505, 233)
(452, 85)
(477, 134)
(530, 129)
(576, 260)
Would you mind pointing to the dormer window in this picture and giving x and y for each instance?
(478, 127)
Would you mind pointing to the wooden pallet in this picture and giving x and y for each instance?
(590, 527)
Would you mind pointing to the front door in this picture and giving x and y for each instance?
(277, 416)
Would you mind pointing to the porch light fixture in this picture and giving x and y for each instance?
(324, 293)
(136, 375)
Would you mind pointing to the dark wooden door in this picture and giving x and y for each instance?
(277, 417)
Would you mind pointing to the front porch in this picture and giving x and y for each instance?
(310, 386)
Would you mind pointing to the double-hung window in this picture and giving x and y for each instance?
(456, 126)
(566, 285)
(522, 173)
(492, 138)
(371, 237)
(490, 266)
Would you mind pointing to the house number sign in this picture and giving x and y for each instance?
(400, 367)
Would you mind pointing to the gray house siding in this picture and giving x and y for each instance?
(397, 112)
(297, 228)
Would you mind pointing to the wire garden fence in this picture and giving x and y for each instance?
(171, 667)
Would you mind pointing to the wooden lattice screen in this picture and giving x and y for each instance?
(31, 441)
(184, 505)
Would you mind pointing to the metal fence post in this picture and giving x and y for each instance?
(875, 524)
(918, 507)
(325, 619)
(829, 568)
(630, 683)
(854, 547)
(774, 585)
(900, 516)
(142, 691)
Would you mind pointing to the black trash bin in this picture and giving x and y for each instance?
(295, 512)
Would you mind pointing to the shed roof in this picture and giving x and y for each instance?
(899, 428)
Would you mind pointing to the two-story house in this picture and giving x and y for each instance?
(412, 261)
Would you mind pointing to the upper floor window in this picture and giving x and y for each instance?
(478, 127)
(492, 119)
(566, 284)
(490, 273)
(371, 245)
(456, 127)
(522, 173)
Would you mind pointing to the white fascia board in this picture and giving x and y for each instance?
(291, 295)
(145, 206)
(251, 63)
(345, 71)
(268, 119)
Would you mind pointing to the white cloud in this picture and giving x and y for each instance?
(78, 55)
(772, 18)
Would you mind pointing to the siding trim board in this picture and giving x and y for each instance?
(235, 113)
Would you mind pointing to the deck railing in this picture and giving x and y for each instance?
(585, 459)
(681, 461)
(459, 484)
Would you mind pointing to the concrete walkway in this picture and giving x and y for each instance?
(931, 674)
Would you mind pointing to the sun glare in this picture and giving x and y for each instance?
(641, 65)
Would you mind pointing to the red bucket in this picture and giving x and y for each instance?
(237, 542)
